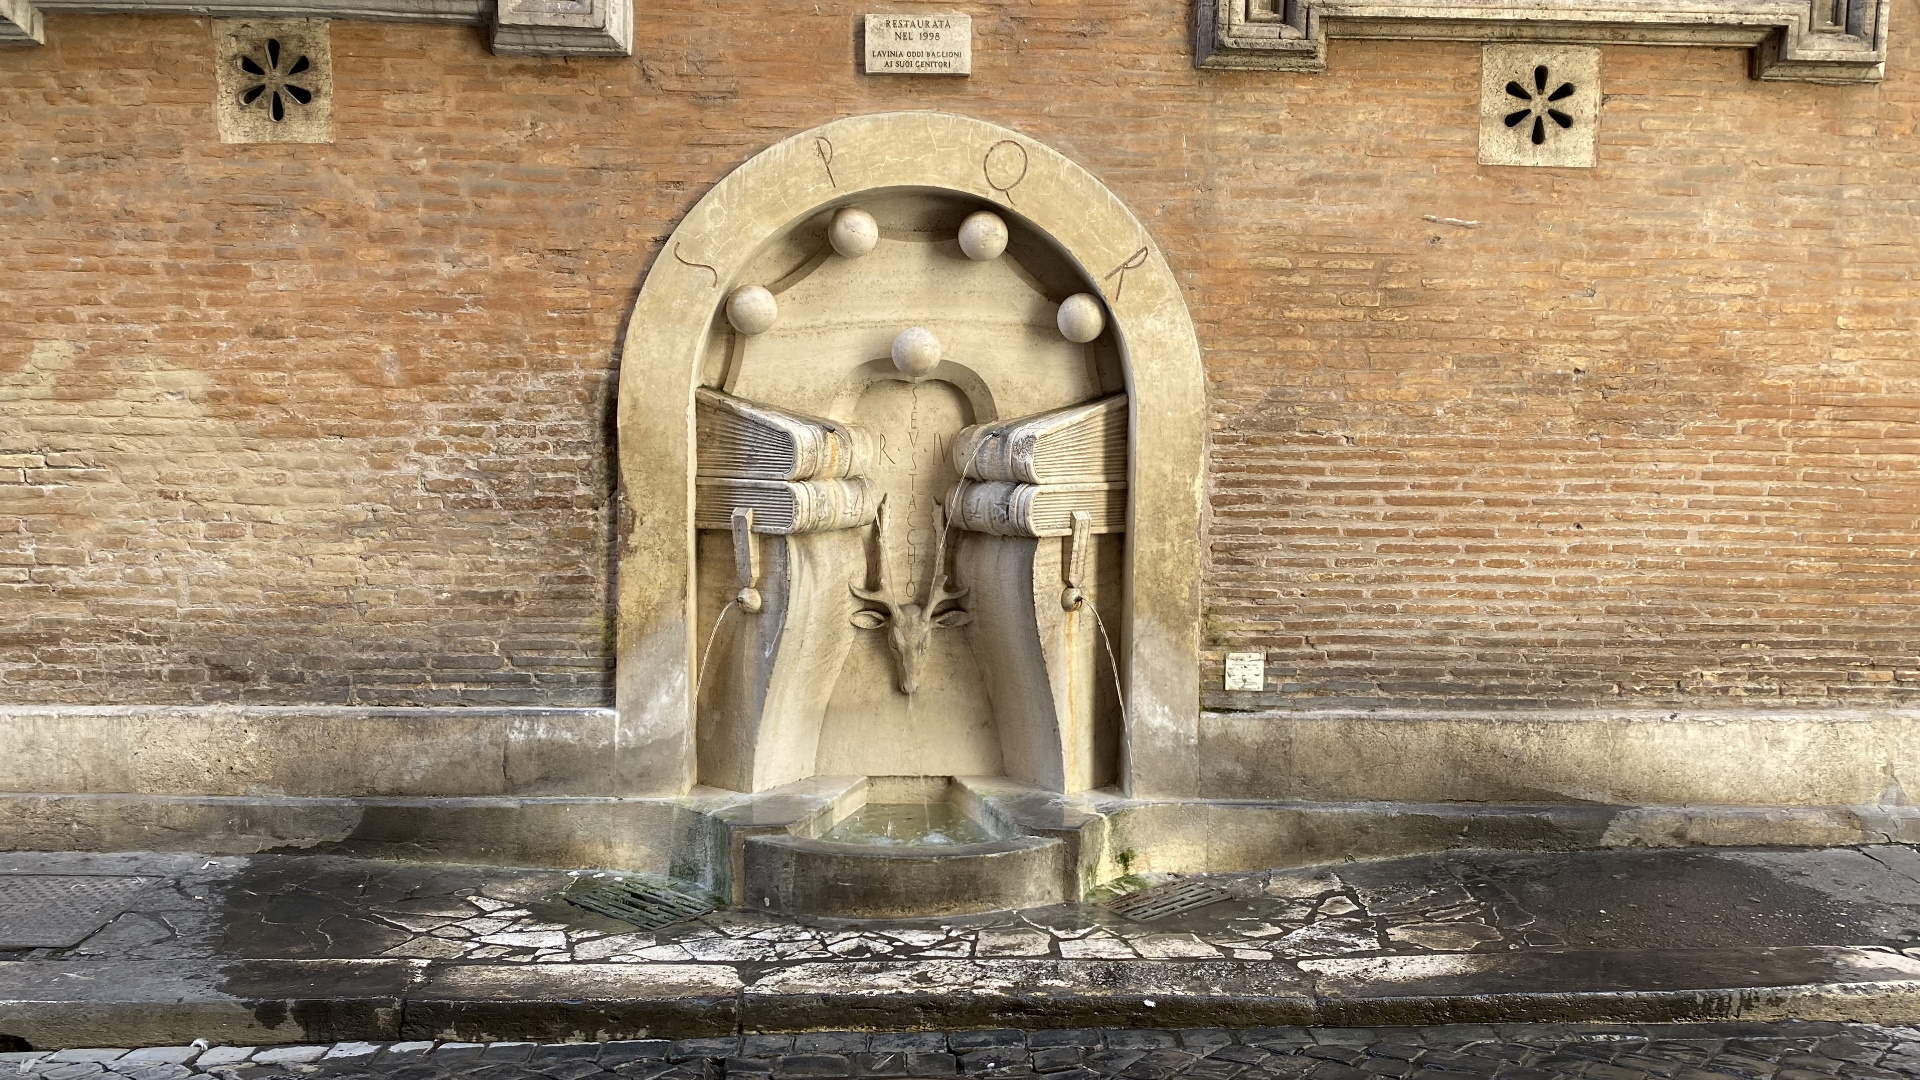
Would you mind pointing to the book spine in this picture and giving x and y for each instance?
(993, 453)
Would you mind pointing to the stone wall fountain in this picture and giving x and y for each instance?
(911, 491)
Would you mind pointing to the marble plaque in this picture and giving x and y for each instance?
(1246, 671)
(919, 45)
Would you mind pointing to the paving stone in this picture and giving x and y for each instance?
(1084, 1037)
(1141, 1039)
(421, 1069)
(830, 1042)
(396, 1052)
(1112, 1061)
(499, 1070)
(804, 1066)
(450, 1053)
(1334, 1070)
(748, 1066)
(102, 1055)
(509, 1051)
(932, 1065)
(975, 1062)
(885, 1063)
(909, 1042)
(765, 1046)
(71, 1070)
(616, 1053)
(1052, 1058)
(553, 1052)
(157, 1055)
(565, 1068)
(1202, 1040)
(683, 1049)
(161, 1070)
(981, 1040)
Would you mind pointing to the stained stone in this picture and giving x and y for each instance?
(853, 232)
(983, 236)
(1081, 318)
(752, 310)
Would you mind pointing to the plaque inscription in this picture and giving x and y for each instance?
(919, 45)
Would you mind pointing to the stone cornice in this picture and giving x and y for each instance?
(520, 27)
(1822, 41)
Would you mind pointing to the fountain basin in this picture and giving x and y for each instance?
(902, 848)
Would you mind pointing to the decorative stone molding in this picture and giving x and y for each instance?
(1821, 41)
(521, 27)
(563, 28)
(21, 24)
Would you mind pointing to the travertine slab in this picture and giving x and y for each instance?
(915, 44)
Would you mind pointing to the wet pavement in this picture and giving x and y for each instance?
(325, 907)
(286, 948)
(1784, 1051)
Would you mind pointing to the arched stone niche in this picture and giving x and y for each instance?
(686, 551)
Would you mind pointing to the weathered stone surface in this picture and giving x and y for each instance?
(273, 80)
(1539, 104)
(1055, 993)
(561, 1001)
(1815, 983)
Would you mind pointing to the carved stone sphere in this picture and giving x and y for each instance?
(751, 310)
(983, 236)
(1081, 318)
(916, 352)
(853, 232)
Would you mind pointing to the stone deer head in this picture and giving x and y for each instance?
(910, 625)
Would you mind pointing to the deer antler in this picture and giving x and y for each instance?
(884, 595)
(937, 591)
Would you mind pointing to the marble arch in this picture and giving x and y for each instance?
(667, 341)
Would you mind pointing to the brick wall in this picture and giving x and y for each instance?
(316, 424)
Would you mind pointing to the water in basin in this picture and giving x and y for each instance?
(919, 824)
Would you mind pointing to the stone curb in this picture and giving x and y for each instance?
(53, 1004)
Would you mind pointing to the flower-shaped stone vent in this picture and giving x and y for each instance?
(275, 80)
(271, 70)
(1539, 104)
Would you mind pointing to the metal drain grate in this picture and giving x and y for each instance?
(1163, 901)
(644, 904)
(54, 911)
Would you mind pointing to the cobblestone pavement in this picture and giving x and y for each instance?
(323, 907)
(1784, 1051)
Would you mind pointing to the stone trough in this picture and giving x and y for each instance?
(898, 848)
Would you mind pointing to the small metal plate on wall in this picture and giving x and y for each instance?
(1164, 901)
(647, 905)
(54, 911)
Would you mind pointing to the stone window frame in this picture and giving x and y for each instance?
(666, 342)
(1837, 42)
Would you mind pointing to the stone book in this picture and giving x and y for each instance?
(1079, 443)
(744, 439)
(784, 506)
(1003, 508)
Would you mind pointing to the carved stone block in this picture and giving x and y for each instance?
(274, 81)
(21, 24)
(1539, 104)
(563, 28)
